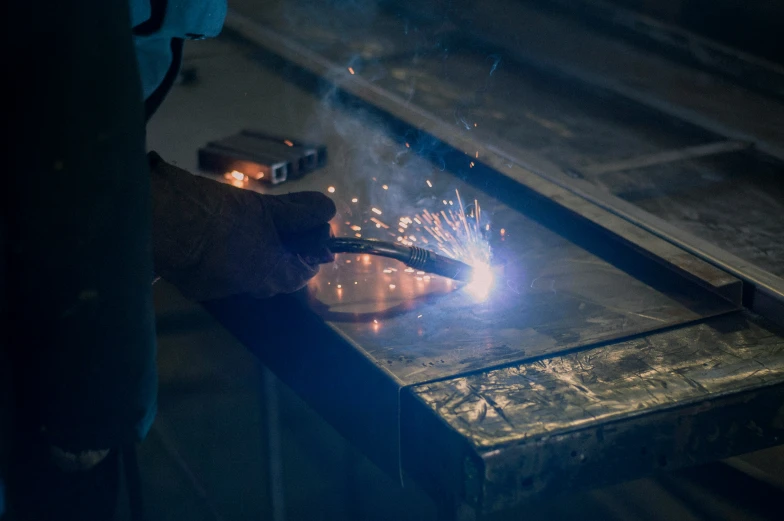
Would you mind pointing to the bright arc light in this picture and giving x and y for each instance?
(482, 281)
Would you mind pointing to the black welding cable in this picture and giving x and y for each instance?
(412, 256)
(314, 243)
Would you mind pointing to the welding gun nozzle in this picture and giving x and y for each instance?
(412, 256)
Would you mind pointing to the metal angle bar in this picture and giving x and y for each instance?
(668, 156)
(764, 290)
(671, 256)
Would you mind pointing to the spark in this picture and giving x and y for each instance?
(481, 282)
(239, 176)
(354, 200)
(385, 187)
(351, 70)
(419, 316)
(472, 164)
(348, 261)
(331, 189)
(503, 232)
(452, 232)
(340, 286)
(358, 235)
(379, 224)
(408, 146)
(288, 142)
(477, 154)
(459, 236)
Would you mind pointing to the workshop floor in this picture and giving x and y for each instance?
(207, 457)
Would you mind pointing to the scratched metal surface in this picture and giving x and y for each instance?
(552, 295)
(484, 93)
(732, 200)
(428, 63)
(527, 402)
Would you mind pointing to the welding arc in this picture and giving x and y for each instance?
(412, 256)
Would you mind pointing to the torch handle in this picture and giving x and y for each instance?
(412, 256)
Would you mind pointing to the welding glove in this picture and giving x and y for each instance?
(212, 240)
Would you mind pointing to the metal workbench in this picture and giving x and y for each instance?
(634, 331)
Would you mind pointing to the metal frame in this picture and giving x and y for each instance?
(469, 478)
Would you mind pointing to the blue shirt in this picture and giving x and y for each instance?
(177, 19)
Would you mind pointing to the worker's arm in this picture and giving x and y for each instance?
(78, 213)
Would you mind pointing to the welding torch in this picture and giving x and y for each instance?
(314, 244)
(412, 256)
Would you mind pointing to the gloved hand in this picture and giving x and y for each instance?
(212, 240)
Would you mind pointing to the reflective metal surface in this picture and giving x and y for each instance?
(528, 401)
(551, 295)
